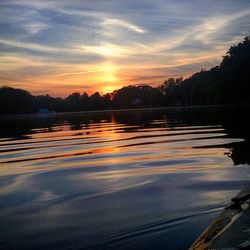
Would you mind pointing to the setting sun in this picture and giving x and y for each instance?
(108, 88)
(123, 124)
(109, 71)
(102, 47)
(108, 77)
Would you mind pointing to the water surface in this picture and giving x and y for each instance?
(129, 180)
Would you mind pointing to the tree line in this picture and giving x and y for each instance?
(227, 83)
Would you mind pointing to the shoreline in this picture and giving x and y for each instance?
(110, 111)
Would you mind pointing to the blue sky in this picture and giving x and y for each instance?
(62, 46)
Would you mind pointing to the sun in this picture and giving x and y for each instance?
(108, 72)
(109, 88)
(108, 77)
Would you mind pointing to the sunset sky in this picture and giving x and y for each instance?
(62, 46)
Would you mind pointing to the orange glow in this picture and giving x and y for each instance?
(109, 88)
(110, 51)
(105, 77)
(107, 73)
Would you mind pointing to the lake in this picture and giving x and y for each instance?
(125, 180)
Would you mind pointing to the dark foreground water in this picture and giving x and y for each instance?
(138, 180)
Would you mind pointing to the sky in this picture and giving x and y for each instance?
(58, 47)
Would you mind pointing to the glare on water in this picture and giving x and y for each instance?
(138, 180)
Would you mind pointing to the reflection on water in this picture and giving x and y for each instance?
(138, 180)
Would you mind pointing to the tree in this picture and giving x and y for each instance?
(73, 102)
(15, 101)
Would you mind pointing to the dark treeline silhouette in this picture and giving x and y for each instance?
(136, 97)
(228, 83)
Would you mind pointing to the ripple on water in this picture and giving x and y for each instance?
(108, 185)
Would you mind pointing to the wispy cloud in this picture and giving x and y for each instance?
(35, 27)
(90, 43)
(31, 46)
(108, 50)
(122, 24)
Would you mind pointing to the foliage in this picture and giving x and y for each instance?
(227, 83)
(136, 96)
(13, 101)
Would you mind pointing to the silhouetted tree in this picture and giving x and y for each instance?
(84, 99)
(136, 96)
(227, 83)
(73, 102)
(170, 89)
(16, 101)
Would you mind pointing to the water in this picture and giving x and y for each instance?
(130, 180)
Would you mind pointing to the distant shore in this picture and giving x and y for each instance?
(107, 111)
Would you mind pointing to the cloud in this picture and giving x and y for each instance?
(106, 50)
(23, 21)
(210, 28)
(35, 27)
(31, 46)
(123, 24)
(70, 42)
